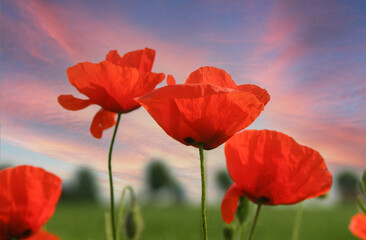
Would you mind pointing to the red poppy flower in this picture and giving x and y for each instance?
(112, 84)
(28, 197)
(272, 168)
(208, 109)
(358, 225)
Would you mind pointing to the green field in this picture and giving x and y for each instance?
(86, 222)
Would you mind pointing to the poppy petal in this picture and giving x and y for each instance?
(142, 60)
(211, 75)
(230, 203)
(114, 57)
(145, 84)
(102, 121)
(260, 93)
(358, 225)
(72, 103)
(201, 113)
(43, 235)
(273, 166)
(28, 198)
(110, 86)
(170, 80)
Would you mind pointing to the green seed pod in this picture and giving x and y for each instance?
(228, 231)
(242, 211)
(133, 224)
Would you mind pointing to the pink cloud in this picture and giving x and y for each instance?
(28, 99)
(51, 21)
(49, 18)
(309, 112)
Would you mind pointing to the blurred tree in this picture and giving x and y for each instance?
(160, 181)
(86, 185)
(158, 176)
(4, 165)
(223, 180)
(83, 187)
(178, 192)
(347, 184)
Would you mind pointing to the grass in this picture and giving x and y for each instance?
(86, 222)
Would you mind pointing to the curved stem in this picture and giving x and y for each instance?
(255, 220)
(203, 195)
(111, 177)
(295, 233)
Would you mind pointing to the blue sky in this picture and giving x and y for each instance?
(309, 55)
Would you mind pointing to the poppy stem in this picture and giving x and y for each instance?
(361, 205)
(295, 233)
(111, 177)
(241, 231)
(203, 194)
(259, 206)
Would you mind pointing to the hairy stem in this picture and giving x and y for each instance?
(255, 220)
(295, 233)
(203, 195)
(111, 177)
(241, 231)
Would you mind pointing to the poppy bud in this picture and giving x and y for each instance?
(228, 231)
(133, 224)
(242, 211)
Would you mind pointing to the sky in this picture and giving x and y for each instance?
(309, 55)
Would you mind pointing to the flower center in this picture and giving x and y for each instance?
(189, 140)
(264, 199)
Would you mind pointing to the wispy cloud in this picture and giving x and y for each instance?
(315, 96)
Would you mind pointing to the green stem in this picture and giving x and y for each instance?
(241, 231)
(122, 206)
(111, 177)
(203, 195)
(295, 233)
(255, 220)
(108, 229)
(361, 205)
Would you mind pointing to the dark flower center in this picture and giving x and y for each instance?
(264, 199)
(27, 232)
(189, 140)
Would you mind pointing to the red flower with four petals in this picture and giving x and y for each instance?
(28, 198)
(112, 84)
(208, 109)
(272, 168)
